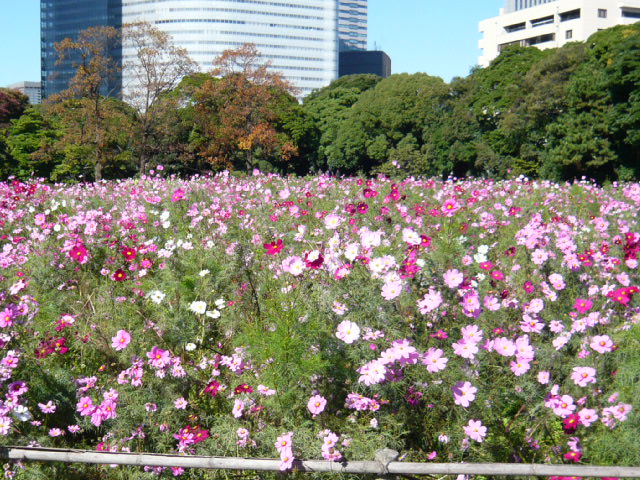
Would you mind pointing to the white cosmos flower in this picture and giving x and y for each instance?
(156, 296)
(213, 314)
(198, 307)
(203, 272)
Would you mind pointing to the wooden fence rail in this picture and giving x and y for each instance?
(385, 464)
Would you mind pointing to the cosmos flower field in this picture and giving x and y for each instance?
(320, 318)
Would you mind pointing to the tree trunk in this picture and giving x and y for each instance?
(97, 171)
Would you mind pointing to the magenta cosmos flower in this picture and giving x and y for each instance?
(316, 404)
(121, 340)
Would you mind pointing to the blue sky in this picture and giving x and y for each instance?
(439, 37)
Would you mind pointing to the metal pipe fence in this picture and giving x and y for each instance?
(385, 464)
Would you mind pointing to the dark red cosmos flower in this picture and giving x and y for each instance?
(243, 388)
(120, 275)
(128, 253)
(274, 247)
(212, 388)
(571, 423)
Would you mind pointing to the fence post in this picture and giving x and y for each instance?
(384, 457)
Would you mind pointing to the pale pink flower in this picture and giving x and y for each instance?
(391, 290)
(564, 406)
(238, 407)
(316, 404)
(453, 278)
(543, 377)
(601, 343)
(587, 416)
(465, 349)
(475, 430)
(520, 367)
(463, 393)
(434, 360)
(583, 376)
(430, 301)
(348, 331)
(504, 346)
(180, 403)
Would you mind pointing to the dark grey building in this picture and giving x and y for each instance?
(356, 61)
(60, 19)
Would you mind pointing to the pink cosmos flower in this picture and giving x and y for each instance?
(158, 358)
(79, 253)
(391, 290)
(450, 207)
(475, 430)
(5, 425)
(6, 318)
(504, 346)
(520, 367)
(602, 344)
(453, 278)
(121, 340)
(56, 432)
(434, 360)
(563, 406)
(543, 377)
(583, 376)
(238, 407)
(587, 416)
(178, 195)
(582, 305)
(430, 301)
(316, 404)
(48, 407)
(85, 406)
(348, 331)
(180, 403)
(463, 393)
(284, 442)
(465, 349)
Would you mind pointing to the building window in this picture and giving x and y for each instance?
(571, 15)
(602, 13)
(542, 21)
(568, 34)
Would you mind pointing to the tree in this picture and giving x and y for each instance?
(85, 102)
(30, 140)
(330, 105)
(157, 68)
(237, 114)
(395, 109)
(12, 104)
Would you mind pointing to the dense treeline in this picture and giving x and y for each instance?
(555, 114)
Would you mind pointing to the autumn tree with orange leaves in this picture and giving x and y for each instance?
(239, 110)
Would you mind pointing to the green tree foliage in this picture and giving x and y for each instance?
(383, 116)
(330, 105)
(30, 139)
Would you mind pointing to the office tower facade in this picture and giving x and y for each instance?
(60, 19)
(298, 37)
(352, 25)
(551, 24)
(33, 90)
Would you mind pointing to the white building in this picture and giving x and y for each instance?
(30, 89)
(298, 37)
(551, 23)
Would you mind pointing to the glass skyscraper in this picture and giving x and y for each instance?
(301, 38)
(60, 19)
(298, 37)
(352, 25)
